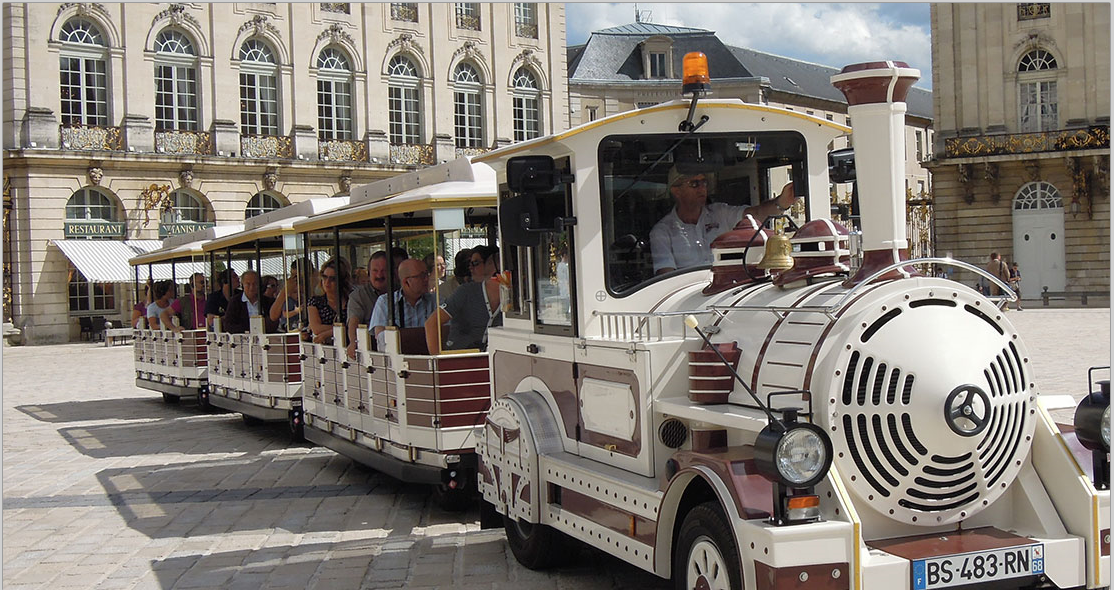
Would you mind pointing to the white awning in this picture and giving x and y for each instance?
(106, 261)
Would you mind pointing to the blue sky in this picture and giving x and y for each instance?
(829, 34)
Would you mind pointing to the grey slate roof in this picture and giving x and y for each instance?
(613, 55)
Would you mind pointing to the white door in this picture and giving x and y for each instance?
(1038, 238)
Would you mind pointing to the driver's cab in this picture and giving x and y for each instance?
(578, 210)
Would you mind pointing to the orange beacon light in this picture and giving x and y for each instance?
(695, 68)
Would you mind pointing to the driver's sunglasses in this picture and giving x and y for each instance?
(694, 183)
(328, 278)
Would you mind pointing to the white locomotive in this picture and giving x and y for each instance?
(740, 425)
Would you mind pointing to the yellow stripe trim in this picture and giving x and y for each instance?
(426, 204)
(642, 112)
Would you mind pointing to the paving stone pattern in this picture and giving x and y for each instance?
(107, 487)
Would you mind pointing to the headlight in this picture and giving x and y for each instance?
(1092, 423)
(797, 456)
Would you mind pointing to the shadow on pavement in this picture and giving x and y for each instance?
(185, 432)
(129, 408)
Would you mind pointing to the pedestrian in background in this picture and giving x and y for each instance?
(1015, 283)
(999, 269)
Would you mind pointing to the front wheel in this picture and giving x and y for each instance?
(535, 546)
(705, 555)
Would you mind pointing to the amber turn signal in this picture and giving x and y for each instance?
(695, 68)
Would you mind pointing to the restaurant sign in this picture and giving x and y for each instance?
(94, 229)
(185, 227)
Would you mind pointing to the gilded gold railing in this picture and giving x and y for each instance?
(471, 151)
(1094, 137)
(420, 154)
(266, 146)
(337, 7)
(526, 30)
(184, 142)
(342, 150)
(468, 21)
(1034, 10)
(88, 137)
(404, 11)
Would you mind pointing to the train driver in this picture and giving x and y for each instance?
(413, 302)
(684, 236)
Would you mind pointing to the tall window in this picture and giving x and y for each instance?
(527, 123)
(1038, 108)
(90, 204)
(258, 89)
(403, 101)
(657, 65)
(175, 82)
(186, 208)
(334, 95)
(261, 203)
(920, 145)
(526, 20)
(468, 16)
(468, 111)
(83, 70)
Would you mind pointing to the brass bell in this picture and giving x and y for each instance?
(778, 254)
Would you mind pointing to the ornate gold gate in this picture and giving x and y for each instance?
(7, 249)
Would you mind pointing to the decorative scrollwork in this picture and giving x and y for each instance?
(526, 30)
(265, 146)
(88, 137)
(404, 11)
(258, 24)
(342, 150)
(335, 34)
(177, 15)
(964, 174)
(527, 57)
(990, 174)
(412, 154)
(468, 22)
(405, 42)
(95, 174)
(84, 8)
(8, 293)
(337, 7)
(155, 197)
(1034, 10)
(469, 50)
(471, 151)
(184, 142)
(1095, 137)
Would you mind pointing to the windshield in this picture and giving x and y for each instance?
(665, 198)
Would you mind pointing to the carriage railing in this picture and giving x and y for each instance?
(256, 363)
(170, 353)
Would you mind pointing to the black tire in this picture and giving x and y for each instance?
(705, 542)
(251, 420)
(170, 398)
(452, 500)
(489, 517)
(203, 402)
(536, 546)
(296, 423)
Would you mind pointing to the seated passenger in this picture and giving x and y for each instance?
(332, 306)
(163, 293)
(250, 302)
(413, 302)
(193, 307)
(684, 236)
(471, 309)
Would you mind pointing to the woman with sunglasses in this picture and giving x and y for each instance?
(331, 307)
(471, 310)
(684, 236)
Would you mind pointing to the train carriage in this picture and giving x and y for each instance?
(391, 405)
(804, 412)
(174, 363)
(256, 371)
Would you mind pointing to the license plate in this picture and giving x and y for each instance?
(962, 569)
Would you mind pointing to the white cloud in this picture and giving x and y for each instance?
(829, 34)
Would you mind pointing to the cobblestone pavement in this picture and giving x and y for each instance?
(105, 486)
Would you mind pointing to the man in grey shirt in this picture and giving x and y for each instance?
(361, 301)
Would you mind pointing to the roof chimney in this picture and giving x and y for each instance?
(876, 94)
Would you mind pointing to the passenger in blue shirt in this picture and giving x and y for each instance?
(413, 302)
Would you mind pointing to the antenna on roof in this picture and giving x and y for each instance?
(642, 15)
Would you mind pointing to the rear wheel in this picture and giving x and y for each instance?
(251, 420)
(297, 428)
(705, 555)
(170, 398)
(535, 546)
(451, 499)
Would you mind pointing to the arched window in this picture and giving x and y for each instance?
(89, 204)
(1038, 108)
(83, 69)
(1037, 195)
(467, 107)
(258, 89)
(404, 101)
(261, 203)
(185, 208)
(526, 111)
(175, 82)
(334, 95)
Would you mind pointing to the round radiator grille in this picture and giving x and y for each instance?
(931, 409)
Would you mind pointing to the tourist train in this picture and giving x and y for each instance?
(806, 408)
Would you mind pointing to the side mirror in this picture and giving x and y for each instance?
(517, 216)
(841, 165)
(534, 174)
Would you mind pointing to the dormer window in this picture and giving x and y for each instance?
(657, 61)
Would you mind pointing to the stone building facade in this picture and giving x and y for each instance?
(130, 121)
(1021, 157)
(637, 65)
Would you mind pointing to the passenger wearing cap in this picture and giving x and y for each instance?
(684, 236)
